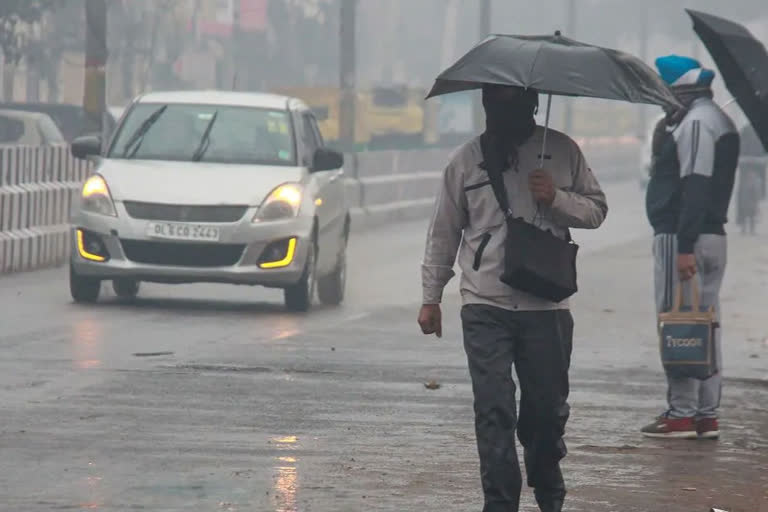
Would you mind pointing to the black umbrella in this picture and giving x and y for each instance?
(743, 62)
(555, 65)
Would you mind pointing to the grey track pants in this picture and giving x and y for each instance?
(692, 397)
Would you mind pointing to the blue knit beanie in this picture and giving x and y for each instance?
(683, 71)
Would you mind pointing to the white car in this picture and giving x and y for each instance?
(210, 186)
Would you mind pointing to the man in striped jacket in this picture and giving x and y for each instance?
(695, 154)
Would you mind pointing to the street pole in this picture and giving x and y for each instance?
(641, 109)
(235, 43)
(347, 73)
(94, 94)
(571, 28)
(484, 31)
(432, 107)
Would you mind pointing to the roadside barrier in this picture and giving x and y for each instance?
(37, 188)
(39, 185)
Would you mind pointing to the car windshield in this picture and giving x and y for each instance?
(238, 135)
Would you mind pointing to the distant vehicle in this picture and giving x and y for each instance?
(212, 186)
(397, 117)
(324, 103)
(70, 119)
(385, 117)
(28, 129)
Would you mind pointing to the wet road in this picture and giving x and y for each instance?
(213, 398)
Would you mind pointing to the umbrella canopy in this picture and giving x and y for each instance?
(555, 65)
(743, 62)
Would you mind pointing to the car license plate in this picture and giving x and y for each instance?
(173, 231)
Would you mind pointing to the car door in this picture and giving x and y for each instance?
(320, 184)
(336, 192)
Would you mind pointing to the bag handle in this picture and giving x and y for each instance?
(696, 306)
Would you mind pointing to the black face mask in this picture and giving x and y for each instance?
(509, 121)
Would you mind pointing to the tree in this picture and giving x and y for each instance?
(14, 14)
(60, 32)
(303, 37)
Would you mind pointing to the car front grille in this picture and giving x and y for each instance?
(183, 213)
(182, 254)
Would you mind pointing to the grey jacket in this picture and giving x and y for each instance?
(467, 219)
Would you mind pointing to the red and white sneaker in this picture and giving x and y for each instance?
(707, 428)
(672, 428)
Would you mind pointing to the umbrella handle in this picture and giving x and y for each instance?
(546, 130)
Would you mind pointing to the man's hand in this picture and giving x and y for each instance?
(542, 187)
(686, 266)
(431, 319)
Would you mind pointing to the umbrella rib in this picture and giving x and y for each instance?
(535, 59)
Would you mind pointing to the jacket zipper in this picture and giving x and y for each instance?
(480, 249)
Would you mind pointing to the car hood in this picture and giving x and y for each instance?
(194, 183)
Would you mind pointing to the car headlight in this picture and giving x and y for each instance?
(282, 203)
(96, 197)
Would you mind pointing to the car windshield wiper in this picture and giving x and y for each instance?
(134, 141)
(205, 140)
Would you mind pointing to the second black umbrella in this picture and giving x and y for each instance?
(743, 62)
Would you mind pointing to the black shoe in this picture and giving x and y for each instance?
(550, 502)
(554, 505)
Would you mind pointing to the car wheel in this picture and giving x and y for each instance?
(330, 288)
(126, 289)
(84, 290)
(298, 297)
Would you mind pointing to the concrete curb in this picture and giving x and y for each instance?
(374, 216)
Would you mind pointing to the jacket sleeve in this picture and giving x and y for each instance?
(583, 205)
(696, 153)
(444, 235)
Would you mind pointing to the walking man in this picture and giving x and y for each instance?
(695, 154)
(504, 327)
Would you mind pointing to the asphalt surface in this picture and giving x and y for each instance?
(213, 398)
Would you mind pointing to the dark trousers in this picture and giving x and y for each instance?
(538, 344)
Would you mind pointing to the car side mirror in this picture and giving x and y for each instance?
(327, 160)
(86, 146)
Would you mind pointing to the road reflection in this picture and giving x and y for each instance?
(87, 343)
(93, 490)
(286, 482)
(285, 327)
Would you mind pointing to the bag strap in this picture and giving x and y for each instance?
(499, 190)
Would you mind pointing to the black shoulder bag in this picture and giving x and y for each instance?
(535, 261)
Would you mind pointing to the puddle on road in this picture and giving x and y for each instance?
(221, 368)
(152, 354)
(217, 368)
